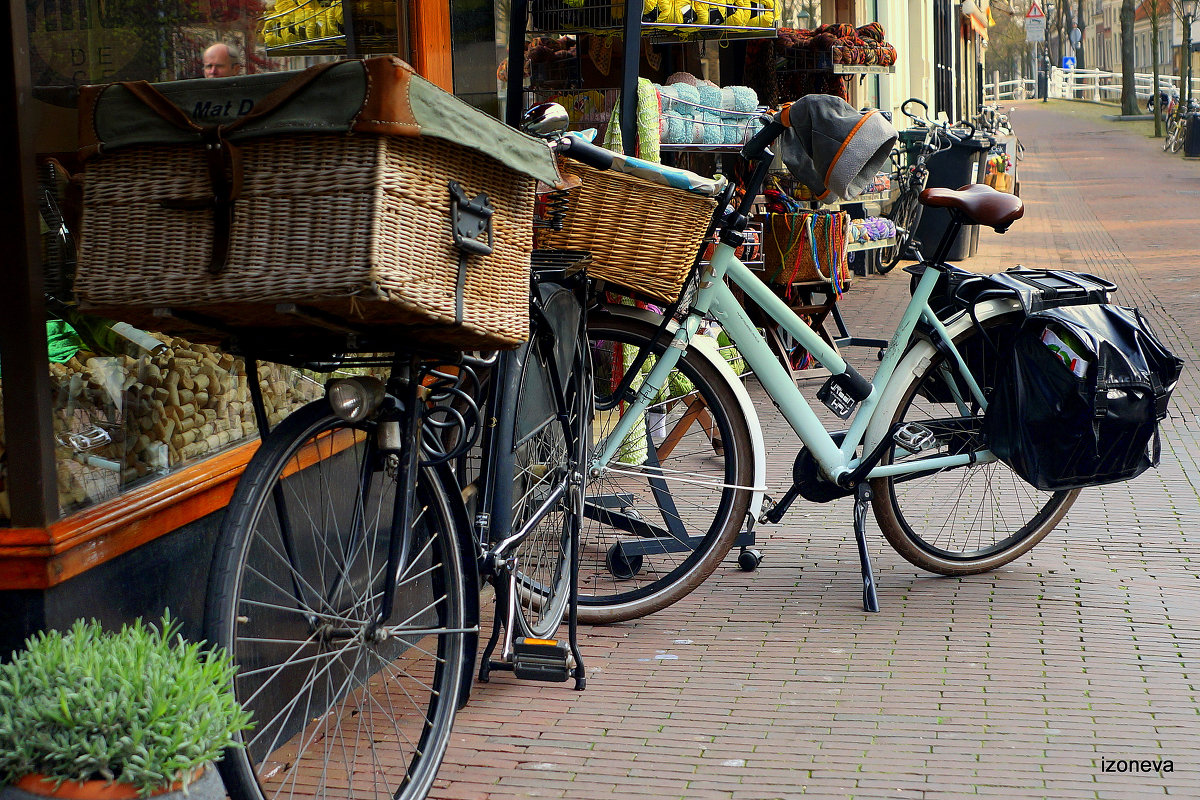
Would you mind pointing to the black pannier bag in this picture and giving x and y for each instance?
(1079, 395)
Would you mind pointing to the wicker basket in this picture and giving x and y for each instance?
(642, 236)
(347, 233)
(788, 248)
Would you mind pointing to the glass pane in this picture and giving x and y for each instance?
(130, 405)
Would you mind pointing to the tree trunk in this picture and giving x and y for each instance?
(1129, 101)
(1154, 95)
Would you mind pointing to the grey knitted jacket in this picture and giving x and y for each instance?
(834, 149)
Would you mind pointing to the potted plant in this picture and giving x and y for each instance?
(127, 714)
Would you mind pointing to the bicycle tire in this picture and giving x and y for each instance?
(541, 460)
(293, 614)
(701, 489)
(905, 215)
(1177, 135)
(939, 521)
(1169, 135)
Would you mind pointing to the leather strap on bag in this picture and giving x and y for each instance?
(222, 157)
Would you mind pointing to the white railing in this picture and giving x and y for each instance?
(1018, 89)
(1085, 84)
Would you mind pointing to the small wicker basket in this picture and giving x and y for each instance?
(642, 236)
(352, 232)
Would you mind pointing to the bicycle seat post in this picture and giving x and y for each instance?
(949, 235)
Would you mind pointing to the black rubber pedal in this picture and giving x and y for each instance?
(542, 660)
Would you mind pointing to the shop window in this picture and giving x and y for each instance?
(130, 406)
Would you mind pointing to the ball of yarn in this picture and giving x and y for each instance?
(727, 98)
(709, 13)
(682, 77)
(675, 115)
(689, 95)
(710, 94)
(731, 129)
(745, 99)
(712, 132)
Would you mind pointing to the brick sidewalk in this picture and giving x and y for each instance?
(1016, 684)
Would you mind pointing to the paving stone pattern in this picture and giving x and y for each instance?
(1016, 684)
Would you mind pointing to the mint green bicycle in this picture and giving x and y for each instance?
(678, 467)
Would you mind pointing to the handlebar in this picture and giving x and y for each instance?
(924, 118)
(771, 130)
(584, 152)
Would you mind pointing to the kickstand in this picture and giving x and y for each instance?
(862, 495)
(485, 661)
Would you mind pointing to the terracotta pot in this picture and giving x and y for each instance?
(207, 786)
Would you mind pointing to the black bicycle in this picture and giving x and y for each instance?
(910, 180)
(346, 577)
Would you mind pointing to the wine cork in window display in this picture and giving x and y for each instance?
(161, 411)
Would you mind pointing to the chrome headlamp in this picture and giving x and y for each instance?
(355, 399)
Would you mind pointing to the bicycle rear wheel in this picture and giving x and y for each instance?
(968, 519)
(341, 707)
(667, 509)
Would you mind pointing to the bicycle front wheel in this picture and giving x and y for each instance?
(342, 707)
(663, 513)
(968, 519)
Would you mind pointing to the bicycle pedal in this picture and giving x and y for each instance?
(914, 437)
(542, 660)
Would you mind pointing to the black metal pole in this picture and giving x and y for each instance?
(515, 90)
(29, 432)
(629, 79)
(1186, 69)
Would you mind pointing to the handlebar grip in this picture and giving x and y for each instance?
(904, 107)
(753, 149)
(585, 152)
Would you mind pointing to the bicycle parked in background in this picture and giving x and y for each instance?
(1176, 117)
(909, 181)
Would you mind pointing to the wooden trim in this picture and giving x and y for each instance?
(429, 35)
(39, 558)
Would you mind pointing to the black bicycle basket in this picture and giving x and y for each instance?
(1079, 395)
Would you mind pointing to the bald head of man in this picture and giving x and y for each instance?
(221, 61)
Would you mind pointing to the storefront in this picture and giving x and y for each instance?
(120, 446)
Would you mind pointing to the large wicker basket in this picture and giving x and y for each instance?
(352, 232)
(642, 236)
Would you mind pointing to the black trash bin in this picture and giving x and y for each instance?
(1191, 136)
(952, 169)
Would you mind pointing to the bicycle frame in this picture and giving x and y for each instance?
(837, 461)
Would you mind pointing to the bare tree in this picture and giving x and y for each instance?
(1129, 101)
(1153, 14)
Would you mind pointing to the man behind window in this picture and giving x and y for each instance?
(221, 61)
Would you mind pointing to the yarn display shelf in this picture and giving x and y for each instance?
(872, 244)
(334, 46)
(863, 69)
(872, 197)
(544, 19)
(700, 148)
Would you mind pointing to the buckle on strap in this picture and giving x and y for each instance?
(470, 219)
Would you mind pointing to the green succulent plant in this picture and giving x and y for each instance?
(140, 706)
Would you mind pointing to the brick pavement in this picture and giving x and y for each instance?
(1014, 684)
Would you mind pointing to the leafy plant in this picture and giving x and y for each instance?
(141, 706)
